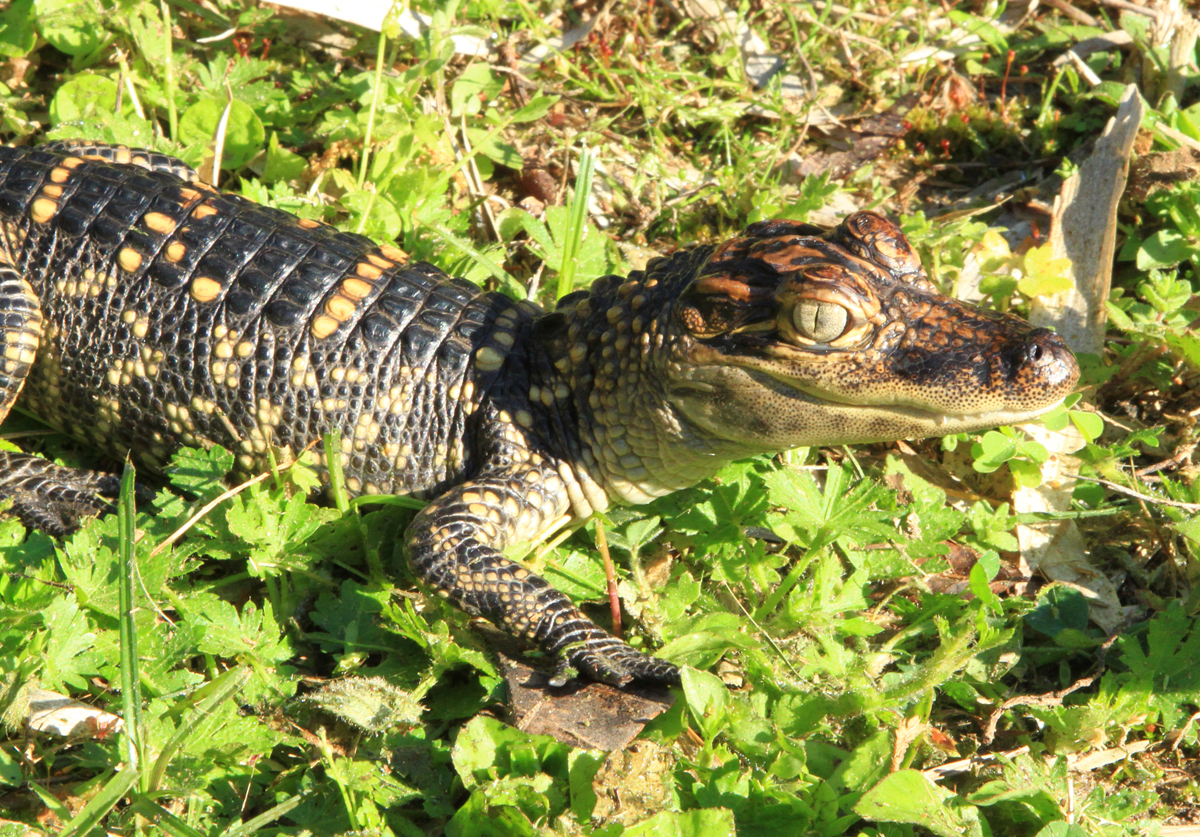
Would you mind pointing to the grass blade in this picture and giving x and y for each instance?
(219, 690)
(332, 443)
(164, 819)
(478, 256)
(577, 223)
(169, 67)
(265, 818)
(114, 790)
(131, 690)
(366, 155)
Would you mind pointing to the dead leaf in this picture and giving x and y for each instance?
(61, 715)
(1083, 230)
(582, 714)
(370, 14)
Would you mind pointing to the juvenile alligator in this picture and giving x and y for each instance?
(141, 311)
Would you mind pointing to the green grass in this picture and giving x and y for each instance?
(890, 634)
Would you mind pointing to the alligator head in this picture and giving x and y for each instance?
(790, 335)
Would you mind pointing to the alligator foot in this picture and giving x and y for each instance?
(52, 498)
(611, 661)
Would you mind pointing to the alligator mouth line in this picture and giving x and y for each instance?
(763, 376)
(997, 416)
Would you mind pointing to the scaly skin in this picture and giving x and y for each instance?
(141, 311)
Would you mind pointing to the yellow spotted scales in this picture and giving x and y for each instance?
(143, 311)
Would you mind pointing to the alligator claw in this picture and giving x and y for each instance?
(563, 674)
(617, 664)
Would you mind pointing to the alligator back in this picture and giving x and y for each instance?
(176, 315)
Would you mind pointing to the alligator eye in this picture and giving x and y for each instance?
(821, 322)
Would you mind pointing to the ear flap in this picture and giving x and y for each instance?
(719, 304)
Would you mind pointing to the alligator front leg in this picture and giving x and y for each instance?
(455, 543)
(43, 495)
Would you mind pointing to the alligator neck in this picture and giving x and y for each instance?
(603, 358)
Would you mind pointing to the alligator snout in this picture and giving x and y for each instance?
(1041, 368)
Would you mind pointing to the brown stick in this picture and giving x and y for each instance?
(1077, 15)
(1125, 6)
(614, 599)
